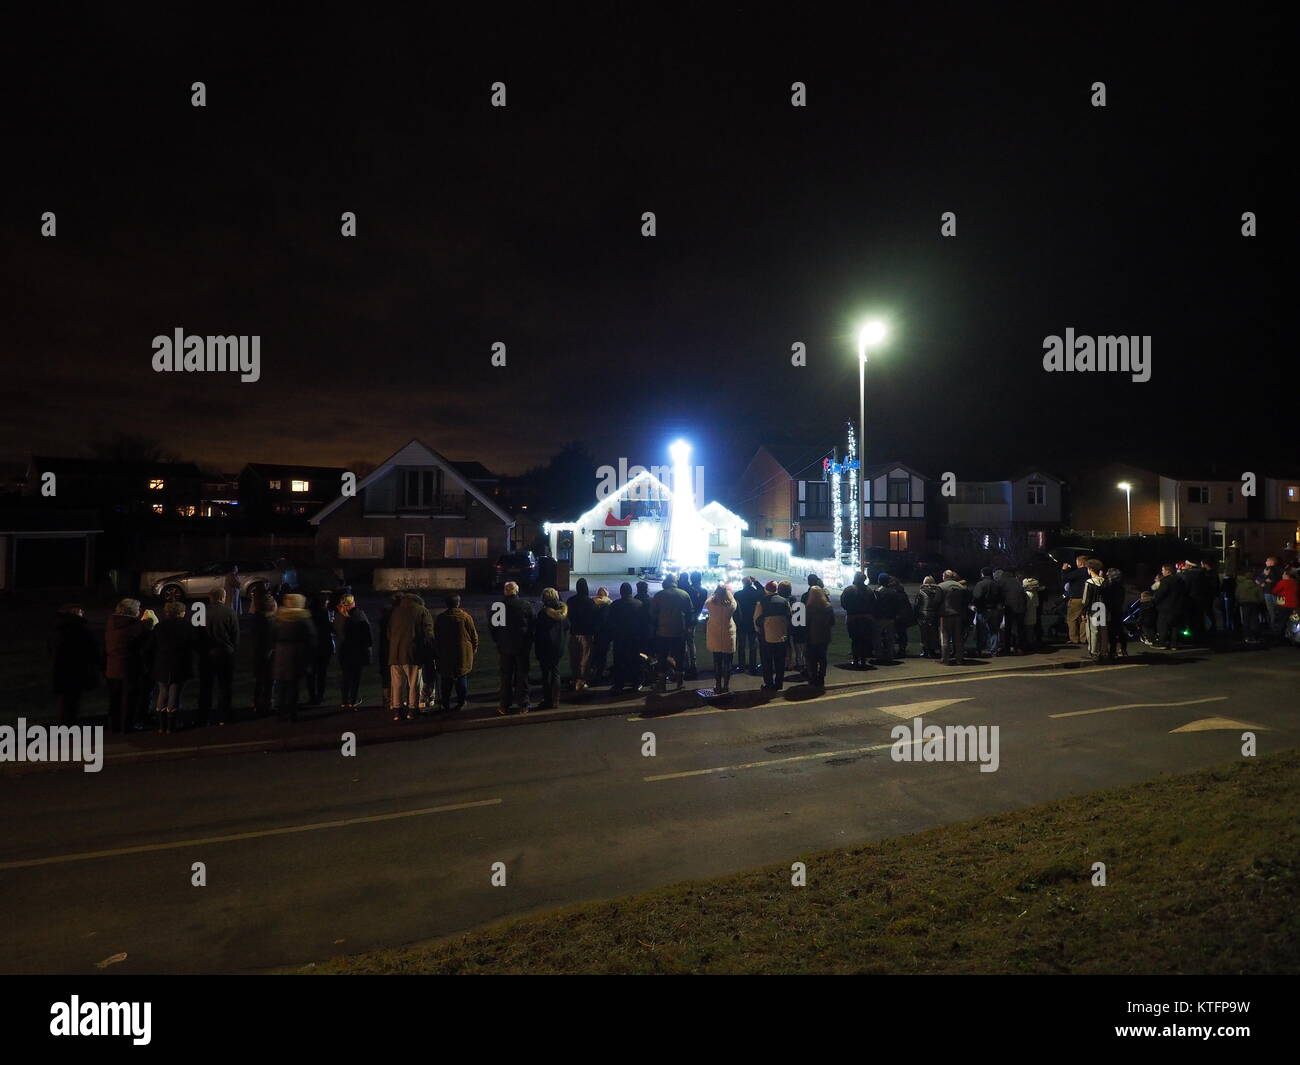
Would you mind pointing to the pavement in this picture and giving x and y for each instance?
(323, 727)
(269, 860)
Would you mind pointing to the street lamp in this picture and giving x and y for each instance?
(1128, 502)
(869, 336)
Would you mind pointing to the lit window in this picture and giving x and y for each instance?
(898, 539)
(157, 508)
(299, 486)
(609, 542)
(157, 484)
(361, 547)
(187, 512)
(465, 547)
(1292, 492)
(273, 485)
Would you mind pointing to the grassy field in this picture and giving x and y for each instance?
(1203, 875)
(25, 676)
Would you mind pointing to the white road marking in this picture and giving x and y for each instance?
(872, 690)
(773, 761)
(150, 847)
(1136, 706)
(918, 709)
(1208, 724)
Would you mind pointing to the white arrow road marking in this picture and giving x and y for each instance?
(1091, 671)
(919, 709)
(148, 847)
(1207, 724)
(1135, 706)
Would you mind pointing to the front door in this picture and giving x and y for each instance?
(415, 550)
(564, 546)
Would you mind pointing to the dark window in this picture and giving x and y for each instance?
(899, 490)
(816, 500)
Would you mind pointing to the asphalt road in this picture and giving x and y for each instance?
(312, 854)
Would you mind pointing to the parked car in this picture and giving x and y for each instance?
(254, 576)
(518, 566)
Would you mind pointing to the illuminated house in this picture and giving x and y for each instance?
(628, 531)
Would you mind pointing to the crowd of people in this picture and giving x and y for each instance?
(638, 641)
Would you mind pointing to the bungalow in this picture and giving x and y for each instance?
(627, 532)
(415, 522)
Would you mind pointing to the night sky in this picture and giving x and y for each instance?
(522, 225)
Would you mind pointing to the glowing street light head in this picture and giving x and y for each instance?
(1124, 486)
(870, 335)
(679, 451)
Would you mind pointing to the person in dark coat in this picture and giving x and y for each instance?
(263, 652)
(858, 604)
(647, 645)
(926, 608)
(1113, 598)
(511, 624)
(550, 637)
(819, 620)
(987, 597)
(124, 638)
(295, 647)
(885, 606)
(173, 662)
(410, 641)
(426, 657)
(217, 642)
(455, 641)
(356, 645)
(76, 660)
(954, 616)
(746, 635)
(903, 616)
(628, 617)
(322, 620)
(1170, 598)
(1014, 605)
(582, 633)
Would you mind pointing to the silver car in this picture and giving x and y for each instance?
(255, 577)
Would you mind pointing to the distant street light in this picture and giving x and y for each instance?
(869, 336)
(1128, 503)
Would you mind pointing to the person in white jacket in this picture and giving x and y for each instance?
(720, 635)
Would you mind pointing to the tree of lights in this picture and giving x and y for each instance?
(855, 508)
(688, 537)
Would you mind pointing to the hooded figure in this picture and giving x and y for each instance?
(720, 636)
(550, 635)
(819, 618)
(858, 603)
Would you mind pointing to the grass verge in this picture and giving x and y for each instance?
(1202, 878)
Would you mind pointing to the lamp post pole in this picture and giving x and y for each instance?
(861, 472)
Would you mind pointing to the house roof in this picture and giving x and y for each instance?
(416, 453)
(717, 515)
(968, 475)
(645, 477)
(877, 468)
